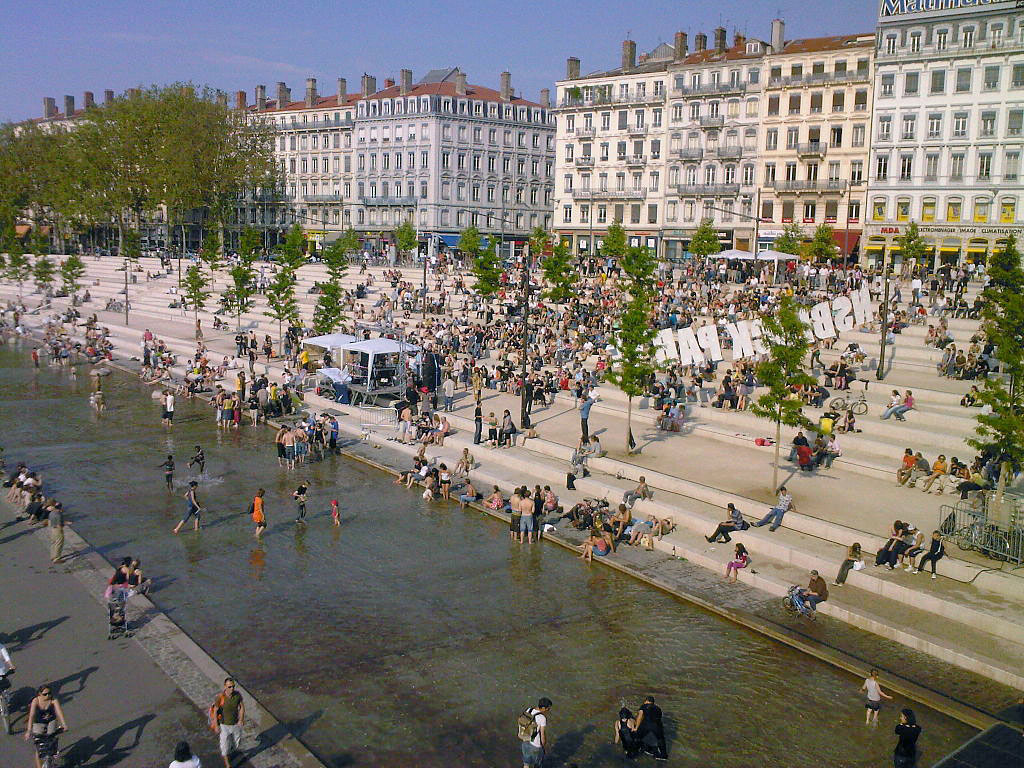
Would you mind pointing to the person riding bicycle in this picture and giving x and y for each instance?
(6, 667)
(45, 721)
(815, 592)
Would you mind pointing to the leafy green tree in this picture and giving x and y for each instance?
(18, 268)
(44, 273)
(559, 273)
(634, 362)
(349, 241)
(705, 240)
(209, 254)
(614, 244)
(194, 289)
(130, 248)
(249, 244)
(912, 246)
(71, 271)
(281, 302)
(405, 237)
(293, 250)
(790, 241)
(335, 257)
(240, 291)
(470, 242)
(329, 311)
(1000, 433)
(822, 246)
(785, 336)
(486, 269)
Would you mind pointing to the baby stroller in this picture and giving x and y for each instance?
(117, 613)
(794, 602)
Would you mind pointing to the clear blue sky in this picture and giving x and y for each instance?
(55, 48)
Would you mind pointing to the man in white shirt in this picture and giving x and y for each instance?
(534, 749)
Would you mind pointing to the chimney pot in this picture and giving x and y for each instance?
(49, 107)
(739, 39)
(679, 49)
(240, 100)
(778, 35)
(700, 41)
(69, 106)
(460, 83)
(405, 81)
(545, 98)
(282, 95)
(572, 68)
(310, 91)
(222, 99)
(719, 39)
(628, 55)
(506, 86)
(108, 96)
(342, 90)
(88, 100)
(389, 82)
(261, 97)
(369, 85)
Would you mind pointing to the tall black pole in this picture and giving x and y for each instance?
(127, 265)
(883, 315)
(525, 314)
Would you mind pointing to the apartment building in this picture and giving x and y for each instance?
(948, 127)
(816, 123)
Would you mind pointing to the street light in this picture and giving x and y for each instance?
(127, 266)
(525, 314)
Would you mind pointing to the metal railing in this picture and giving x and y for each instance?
(387, 200)
(610, 194)
(636, 160)
(730, 152)
(688, 153)
(969, 525)
(812, 148)
(637, 130)
(584, 133)
(707, 189)
(333, 198)
(711, 89)
(584, 161)
(712, 122)
(834, 185)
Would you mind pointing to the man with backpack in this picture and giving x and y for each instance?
(532, 729)
(227, 716)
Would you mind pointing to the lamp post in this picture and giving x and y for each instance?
(883, 314)
(127, 266)
(525, 314)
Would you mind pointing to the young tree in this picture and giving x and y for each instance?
(18, 268)
(634, 362)
(130, 246)
(705, 240)
(293, 250)
(559, 273)
(71, 271)
(1000, 433)
(822, 246)
(405, 237)
(614, 245)
(249, 243)
(328, 313)
(487, 270)
(335, 258)
(912, 246)
(790, 241)
(785, 335)
(194, 288)
(44, 273)
(209, 254)
(348, 242)
(240, 291)
(470, 242)
(281, 302)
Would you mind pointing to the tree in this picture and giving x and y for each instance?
(487, 270)
(614, 245)
(329, 311)
(194, 288)
(405, 237)
(293, 250)
(705, 240)
(559, 273)
(281, 301)
(785, 335)
(335, 257)
(18, 268)
(43, 272)
(209, 254)
(822, 246)
(348, 242)
(238, 296)
(470, 242)
(790, 241)
(1000, 433)
(71, 271)
(634, 362)
(249, 242)
(130, 248)
(912, 246)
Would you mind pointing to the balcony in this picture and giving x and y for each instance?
(813, 148)
(269, 197)
(820, 78)
(637, 130)
(335, 198)
(688, 153)
(707, 190)
(315, 126)
(610, 194)
(636, 160)
(712, 122)
(817, 187)
(585, 133)
(712, 89)
(389, 200)
(598, 100)
(584, 161)
(730, 153)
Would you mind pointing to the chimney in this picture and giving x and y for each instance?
(572, 68)
(460, 83)
(700, 41)
(108, 96)
(679, 49)
(240, 100)
(778, 35)
(719, 39)
(134, 93)
(506, 86)
(545, 98)
(628, 55)
(222, 99)
(369, 85)
(310, 91)
(261, 97)
(342, 90)
(389, 82)
(282, 95)
(88, 100)
(69, 106)
(739, 39)
(405, 82)
(49, 107)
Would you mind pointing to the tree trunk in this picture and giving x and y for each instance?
(280, 340)
(1004, 470)
(629, 424)
(778, 444)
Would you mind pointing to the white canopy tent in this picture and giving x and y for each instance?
(377, 364)
(769, 255)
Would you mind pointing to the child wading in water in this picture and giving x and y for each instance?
(335, 512)
(258, 516)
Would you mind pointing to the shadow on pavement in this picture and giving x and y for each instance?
(106, 750)
(17, 640)
(271, 736)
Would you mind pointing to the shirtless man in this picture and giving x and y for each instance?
(526, 521)
(168, 468)
(168, 415)
(279, 442)
(404, 424)
(288, 440)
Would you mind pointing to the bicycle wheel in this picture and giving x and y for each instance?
(838, 404)
(996, 545)
(4, 717)
(859, 408)
(965, 538)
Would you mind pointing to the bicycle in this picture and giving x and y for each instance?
(858, 405)
(5, 701)
(985, 538)
(48, 750)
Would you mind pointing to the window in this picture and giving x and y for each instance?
(838, 101)
(695, 110)
(652, 213)
(857, 171)
(767, 210)
(655, 180)
(935, 126)
(567, 214)
(906, 167)
(606, 121)
(790, 171)
(953, 210)
(656, 119)
(938, 81)
(984, 166)
(584, 214)
(1017, 80)
(887, 84)
(858, 136)
(882, 167)
(911, 83)
(878, 207)
(787, 210)
(831, 211)
(909, 126)
(748, 175)
(981, 211)
(602, 214)
(1007, 211)
(885, 128)
(794, 104)
(853, 211)
(816, 103)
(928, 209)
(1012, 166)
(890, 45)
(988, 124)
(771, 139)
(792, 137)
(960, 125)
(956, 167)
(915, 42)
(941, 39)
(968, 38)
(769, 173)
(931, 167)
(1015, 122)
(833, 171)
(963, 80)
(902, 210)
(991, 81)
(860, 101)
(773, 105)
(567, 182)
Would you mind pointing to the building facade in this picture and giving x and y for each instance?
(948, 127)
(441, 153)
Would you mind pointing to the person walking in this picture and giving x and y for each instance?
(300, 502)
(192, 507)
(227, 716)
(648, 723)
(875, 694)
(55, 522)
(198, 459)
(775, 514)
(907, 731)
(335, 512)
(533, 733)
(168, 413)
(258, 515)
(168, 468)
(585, 406)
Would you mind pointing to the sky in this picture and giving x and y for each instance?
(56, 48)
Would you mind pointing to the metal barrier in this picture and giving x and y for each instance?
(967, 525)
(372, 415)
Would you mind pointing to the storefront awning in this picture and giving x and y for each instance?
(450, 240)
(874, 247)
(846, 239)
(971, 249)
(949, 249)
